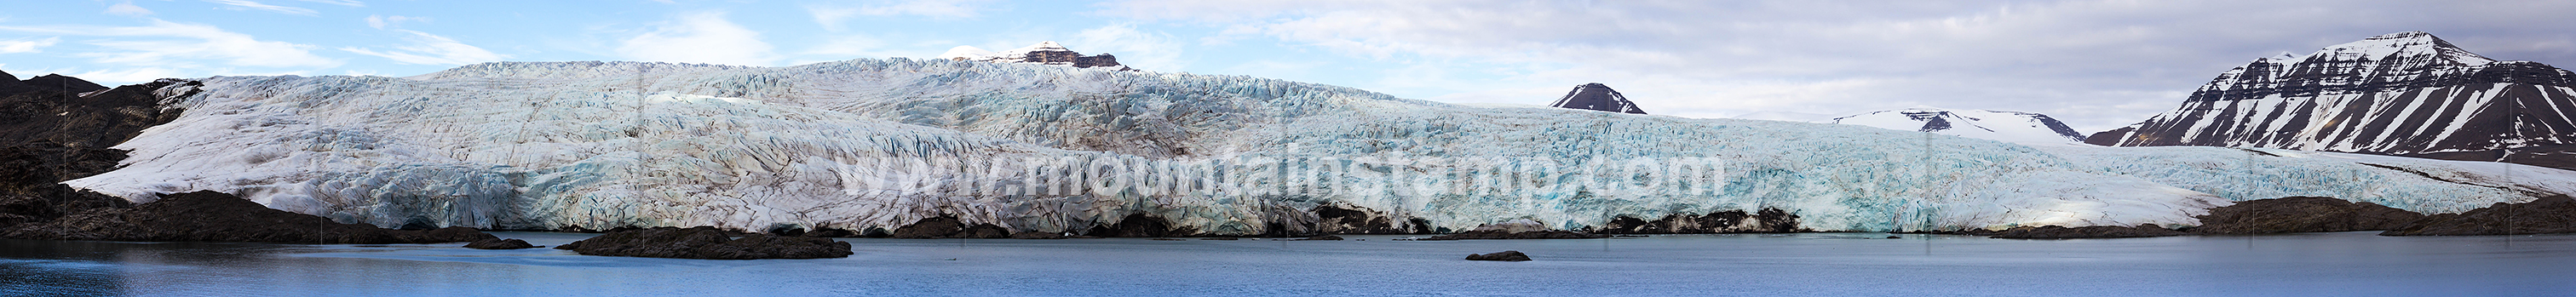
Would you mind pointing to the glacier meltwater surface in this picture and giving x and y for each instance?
(883, 143)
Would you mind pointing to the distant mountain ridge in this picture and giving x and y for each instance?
(1045, 52)
(2006, 126)
(2405, 93)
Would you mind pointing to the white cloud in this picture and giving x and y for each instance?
(2096, 64)
(1137, 49)
(852, 46)
(380, 21)
(27, 46)
(127, 9)
(127, 76)
(831, 16)
(168, 44)
(700, 38)
(428, 49)
(349, 3)
(255, 5)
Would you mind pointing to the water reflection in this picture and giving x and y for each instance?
(1804, 264)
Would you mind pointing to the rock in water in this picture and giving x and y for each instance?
(1514, 256)
(1596, 96)
(2302, 214)
(2056, 232)
(500, 244)
(1323, 237)
(2547, 215)
(706, 242)
(219, 217)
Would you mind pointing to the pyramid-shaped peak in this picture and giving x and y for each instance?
(1597, 96)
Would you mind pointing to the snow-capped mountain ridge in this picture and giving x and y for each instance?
(2005, 126)
(2406, 93)
(2384, 63)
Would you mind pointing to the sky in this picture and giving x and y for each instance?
(2096, 65)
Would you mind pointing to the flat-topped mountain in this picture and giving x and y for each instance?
(1045, 52)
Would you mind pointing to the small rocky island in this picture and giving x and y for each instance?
(1511, 256)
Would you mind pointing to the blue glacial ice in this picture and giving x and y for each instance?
(882, 143)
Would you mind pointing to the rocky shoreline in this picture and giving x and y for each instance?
(2544, 215)
(219, 217)
(704, 242)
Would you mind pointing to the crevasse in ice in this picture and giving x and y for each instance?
(882, 143)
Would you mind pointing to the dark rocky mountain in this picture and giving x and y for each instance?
(55, 128)
(1596, 96)
(2406, 94)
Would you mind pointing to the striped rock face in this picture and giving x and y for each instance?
(2407, 93)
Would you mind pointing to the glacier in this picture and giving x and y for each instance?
(873, 143)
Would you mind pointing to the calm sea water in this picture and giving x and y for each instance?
(1827, 264)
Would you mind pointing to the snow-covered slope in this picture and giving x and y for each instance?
(2005, 126)
(881, 143)
(2400, 93)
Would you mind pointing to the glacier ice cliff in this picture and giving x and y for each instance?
(881, 143)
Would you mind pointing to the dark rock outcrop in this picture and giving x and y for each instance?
(1767, 220)
(1141, 225)
(2406, 94)
(2546, 215)
(2302, 214)
(1492, 234)
(1514, 256)
(1333, 219)
(46, 203)
(2056, 232)
(828, 232)
(949, 227)
(500, 244)
(1598, 97)
(215, 216)
(1323, 237)
(705, 242)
